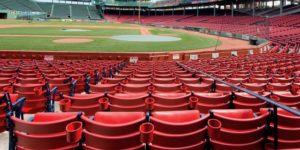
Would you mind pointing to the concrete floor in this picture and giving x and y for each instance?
(4, 140)
(4, 136)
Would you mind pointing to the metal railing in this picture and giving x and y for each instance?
(273, 103)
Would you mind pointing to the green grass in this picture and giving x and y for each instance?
(59, 31)
(187, 42)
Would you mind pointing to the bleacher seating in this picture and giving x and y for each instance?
(53, 10)
(80, 12)
(30, 4)
(14, 5)
(94, 14)
(70, 11)
(61, 11)
(46, 7)
(283, 30)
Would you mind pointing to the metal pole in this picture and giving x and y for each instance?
(270, 101)
(281, 7)
(214, 10)
(172, 11)
(232, 9)
(139, 12)
(253, 7)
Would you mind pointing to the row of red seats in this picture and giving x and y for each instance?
(143, 97)
(186, 130)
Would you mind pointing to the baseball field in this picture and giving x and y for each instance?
(95, 37)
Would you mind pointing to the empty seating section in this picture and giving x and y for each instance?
(69, 11)
(112, 104)
(46, 7)
(30, 4)
(80, 12)
(61, 11)
(14, 5)
(53, 10)
(283, 30)
(94, 13)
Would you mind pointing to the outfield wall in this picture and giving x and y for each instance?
(12, 14)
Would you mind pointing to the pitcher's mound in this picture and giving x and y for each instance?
(73, 40)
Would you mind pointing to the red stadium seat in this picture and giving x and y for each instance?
(46, 131)
(279, 86)
(138, 80)
(236, 129)
(167, 88)
(287, 98)
(170, 101)
(136, 88)
(13, 98)
(288, 130)
(128, 102)
(113, 130)
(87, 103)
(256, 87)
(35, 97)
(183, 130)
(207, 101)
(198, 87)
(102, 88)
(245, 101)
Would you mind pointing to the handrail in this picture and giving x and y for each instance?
(270, 101)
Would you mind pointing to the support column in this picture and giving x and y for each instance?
(155, 12)
(120, 12)
(184, 11)
(149, 12)
(133, 11)
(197, 13)
(231, 6)
(273, 3)
(253, 7)
(163, 12)
(172, 11)
(215, 10)
(281, 7)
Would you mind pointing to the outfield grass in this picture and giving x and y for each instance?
(187, 42)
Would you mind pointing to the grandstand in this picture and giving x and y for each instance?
(277, 23)
(53, 10)
(211, 98)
